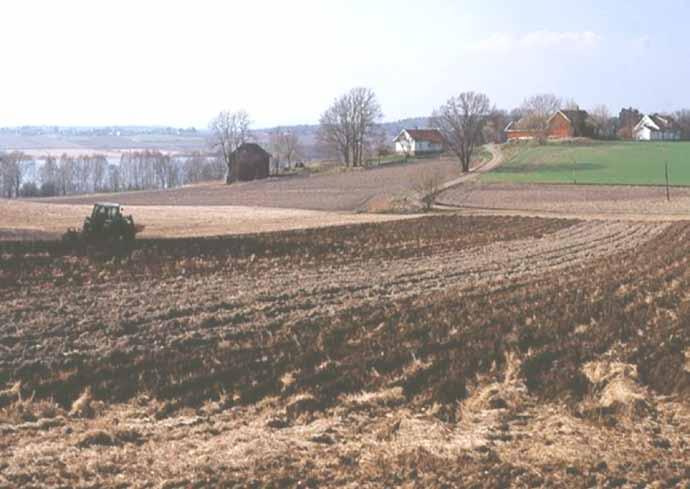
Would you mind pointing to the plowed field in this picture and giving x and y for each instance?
(444, 351)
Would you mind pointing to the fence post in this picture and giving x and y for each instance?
(668, 192)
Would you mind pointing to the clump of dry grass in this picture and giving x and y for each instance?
(105, 438)
(19, 410)
(615, 390)
(506, 394)
(366, 401)
(82, 408)
(288, 379)
(302, 405)
(11, 394)
(26, 410)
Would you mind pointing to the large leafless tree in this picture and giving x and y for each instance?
(229, 130)
(683, 119)
(349, 124)
(537, 111)
(603, 120)
(461, 121)
(13, 169)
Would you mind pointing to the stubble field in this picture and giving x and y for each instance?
(22, 220)
(445, 351)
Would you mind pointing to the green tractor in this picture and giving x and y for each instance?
(105, 224)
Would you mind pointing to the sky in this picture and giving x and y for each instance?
(178, 63)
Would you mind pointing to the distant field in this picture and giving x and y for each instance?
(22, 220)
(609, 163)
(356, 190)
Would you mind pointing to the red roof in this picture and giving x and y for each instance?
(431, 135)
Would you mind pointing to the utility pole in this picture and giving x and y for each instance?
(668, 192)
(574, 165)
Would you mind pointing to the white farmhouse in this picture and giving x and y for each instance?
(656, 127)
(411, 142)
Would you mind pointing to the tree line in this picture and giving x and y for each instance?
(22, 176)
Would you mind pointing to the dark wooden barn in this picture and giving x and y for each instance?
(249, 162)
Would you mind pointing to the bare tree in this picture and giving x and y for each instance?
(683, 119)
(348, 124)
(537, 111)
(49, 177)
(13, 169)
(494, 130)
(99, 169)
(229, 130)
(461, 121)
(602, 117)
(627, 120)
(285, 146)
(427, 186)
(380, 146)
(5, 180)
(114, 177)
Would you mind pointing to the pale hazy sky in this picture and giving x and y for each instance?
(92, 62)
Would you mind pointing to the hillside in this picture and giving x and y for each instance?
(347, 190)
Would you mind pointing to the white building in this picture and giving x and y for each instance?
(413, 142)
(656, 127)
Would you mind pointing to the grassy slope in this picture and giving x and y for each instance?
(599, 162)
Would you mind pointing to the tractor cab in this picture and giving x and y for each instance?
(105, 210)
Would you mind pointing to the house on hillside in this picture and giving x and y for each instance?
(563, 124)
(413, 142)
(656, 127)
(249, 162)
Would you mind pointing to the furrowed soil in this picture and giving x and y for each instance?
(445, 351)
(585, 201)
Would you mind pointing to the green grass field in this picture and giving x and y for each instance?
(598, 162)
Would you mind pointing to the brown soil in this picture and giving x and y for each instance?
(438, 352)
(340, 191)
(603, 201)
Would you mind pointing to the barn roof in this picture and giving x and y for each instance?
(253, 147)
